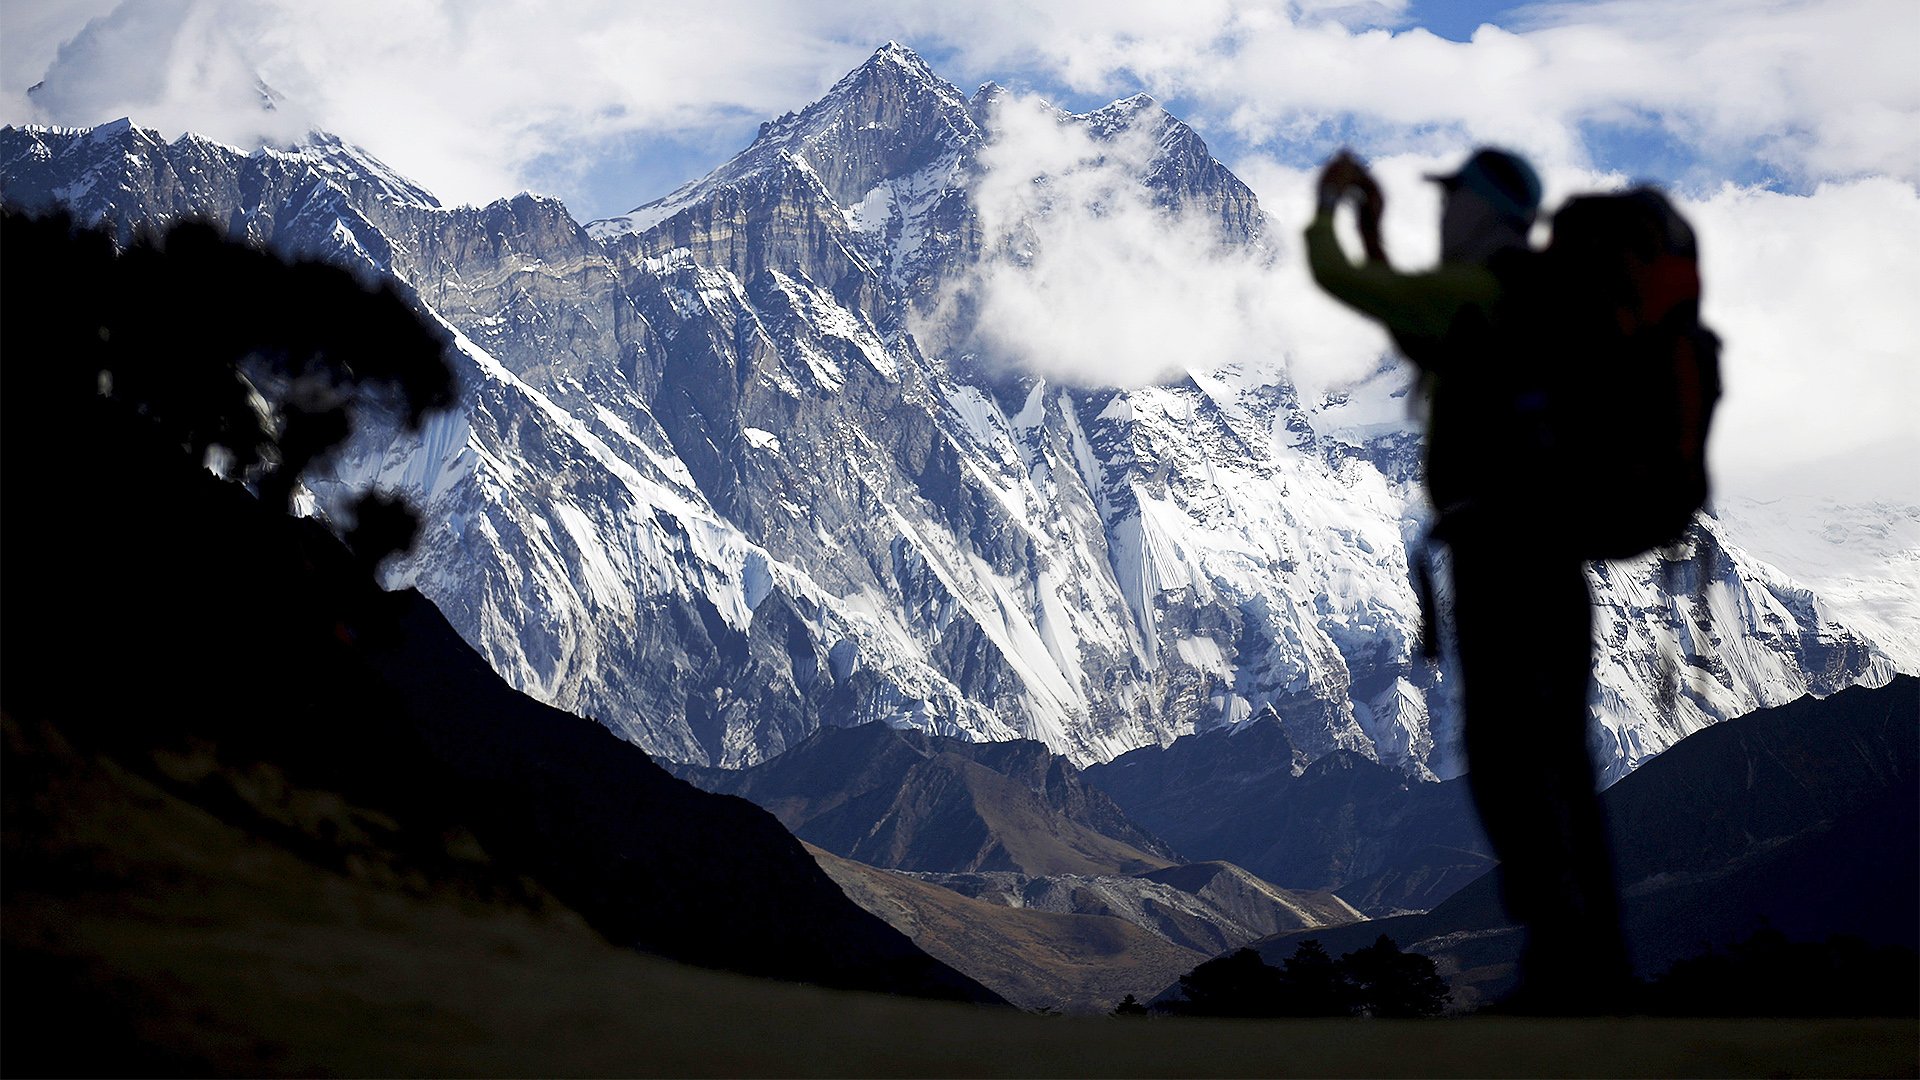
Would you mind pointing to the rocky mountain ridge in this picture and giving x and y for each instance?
(706, 486)
(903, 800)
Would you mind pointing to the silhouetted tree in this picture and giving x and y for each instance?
(1129, 1006)
(1379, 980)
(242, 359)
(124, 376)
(1388, 983)
(1314, 984)
(382, 525)
(151, 607)
(1240, 984)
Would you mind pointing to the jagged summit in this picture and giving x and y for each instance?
(885, 119)
(115, 128)
(353, 164)
(887, 159)
(894, 54)
(1123, 111)
(894, 75)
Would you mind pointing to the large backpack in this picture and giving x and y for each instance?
(1578, 417)
(1632, 376)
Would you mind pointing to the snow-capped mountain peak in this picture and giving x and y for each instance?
(353, 165)
(882, 121)
(707, 486)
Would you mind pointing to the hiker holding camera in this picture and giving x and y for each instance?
(1479, 326)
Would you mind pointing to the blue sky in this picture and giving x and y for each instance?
(1790, 128)
(1455, 21)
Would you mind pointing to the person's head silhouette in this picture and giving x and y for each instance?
(1490, 205)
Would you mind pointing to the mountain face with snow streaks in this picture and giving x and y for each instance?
(711, 486)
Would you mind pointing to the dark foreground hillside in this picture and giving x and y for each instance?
(196, 947)
(181, 657)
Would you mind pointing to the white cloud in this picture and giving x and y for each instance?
(1814, 297)
(474, 97)
(467, 98)
(1817, 90)
(477, 98)
(1087, 281)
(31, 33)
(173, 63)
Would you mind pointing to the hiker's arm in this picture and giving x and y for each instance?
(1421, 305)
(1344, 178)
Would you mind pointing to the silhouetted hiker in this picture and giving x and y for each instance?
(1522, 617)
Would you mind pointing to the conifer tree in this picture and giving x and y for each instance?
(1388, 983)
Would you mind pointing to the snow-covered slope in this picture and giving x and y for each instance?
(1863, 560)
(707, 486)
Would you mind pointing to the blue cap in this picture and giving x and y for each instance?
(1503, 179)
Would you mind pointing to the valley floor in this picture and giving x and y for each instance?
(151, 937)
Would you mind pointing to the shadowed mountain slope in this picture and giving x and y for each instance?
(1205, 906)
(1035, 958)
(1383, 841)
(1253, 901)
(1732, 792)
(270, 964)
(1801, 818)
(902, 799)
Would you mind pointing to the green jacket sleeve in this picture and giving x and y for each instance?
(1421, 306)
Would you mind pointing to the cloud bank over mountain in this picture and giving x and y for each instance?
(1791, 129)
(468, 97)
(1088, 279)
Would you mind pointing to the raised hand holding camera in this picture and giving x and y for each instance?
(1343, 176)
